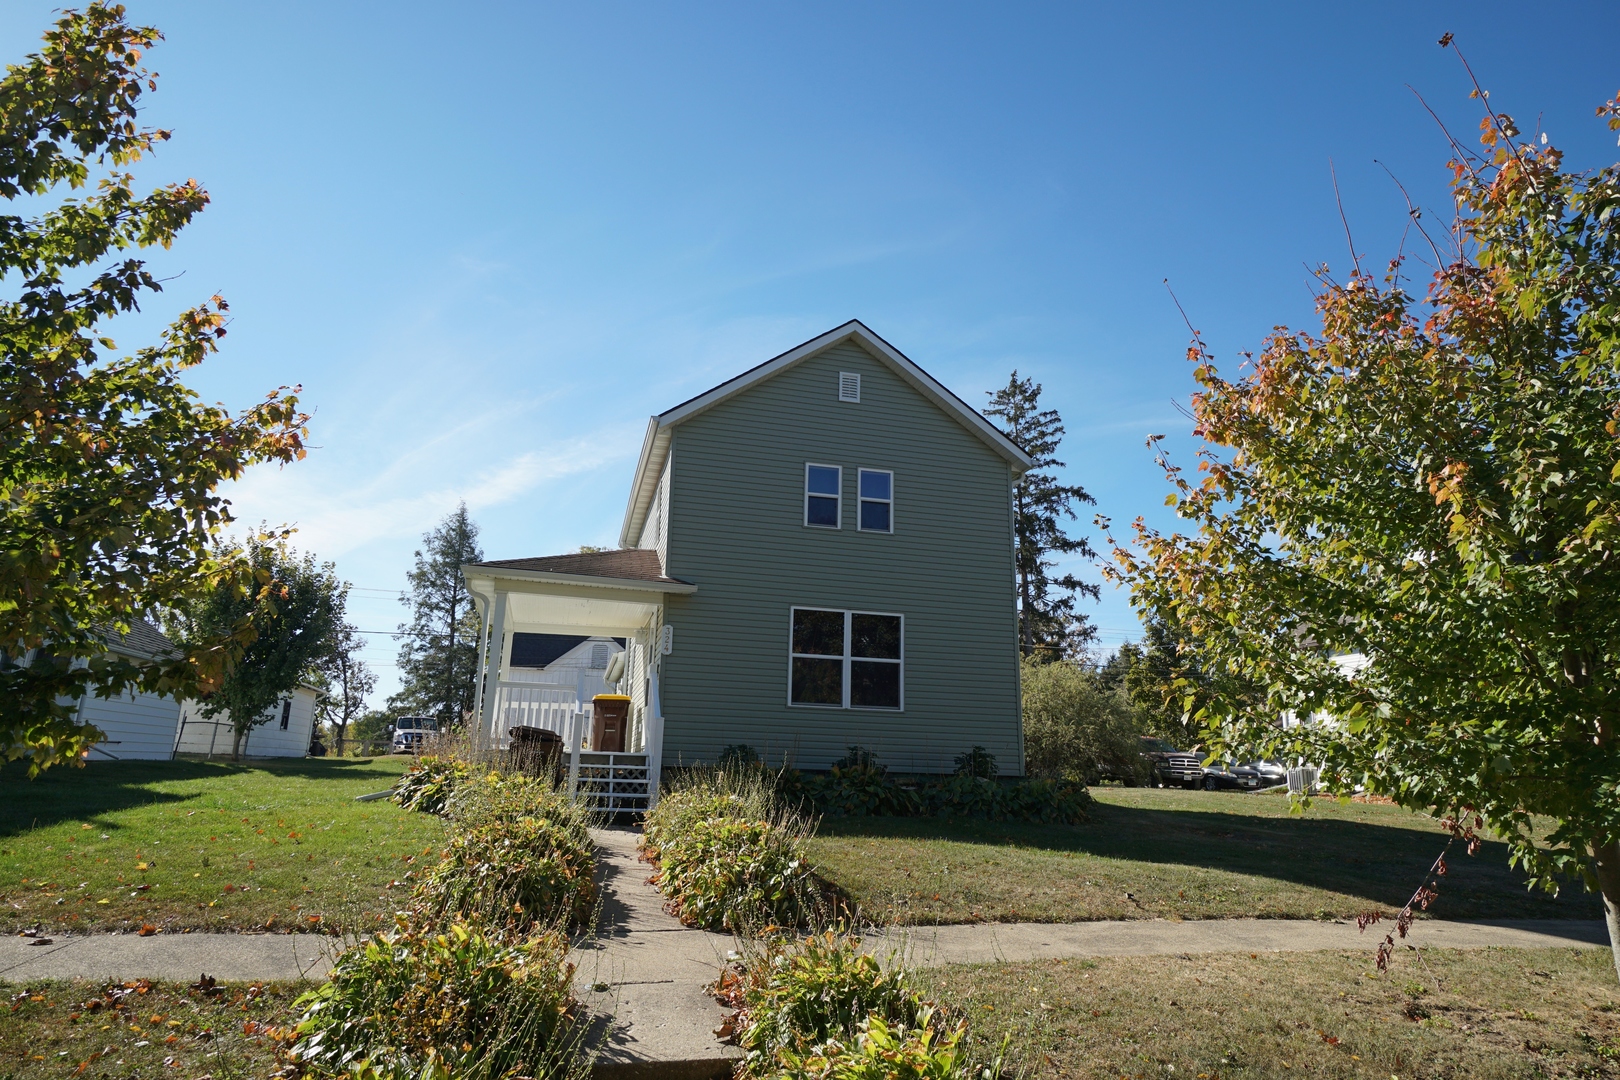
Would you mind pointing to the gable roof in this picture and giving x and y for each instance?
(655, 445)
(144, 641)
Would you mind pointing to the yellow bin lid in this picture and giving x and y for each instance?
(611, 697)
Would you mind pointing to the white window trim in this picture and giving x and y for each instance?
(805, 521)
(859, 499)
(849, 626)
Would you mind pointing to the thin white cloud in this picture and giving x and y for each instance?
(333, 520)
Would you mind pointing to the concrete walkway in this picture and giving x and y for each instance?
(646, 975)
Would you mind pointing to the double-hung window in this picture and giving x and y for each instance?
(846, 659)
(823, 496)
(877, 500)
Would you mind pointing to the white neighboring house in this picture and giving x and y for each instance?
(562, 660)
(286, 734)
(137, 726)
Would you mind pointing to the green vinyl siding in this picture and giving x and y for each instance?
(736, 513)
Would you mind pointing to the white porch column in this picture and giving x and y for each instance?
(492, 667)
(654, 748)
(483, 658)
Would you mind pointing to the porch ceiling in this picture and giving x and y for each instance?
(548, 602)
(550, 614)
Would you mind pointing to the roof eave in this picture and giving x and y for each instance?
(483, 570)
(649, 466)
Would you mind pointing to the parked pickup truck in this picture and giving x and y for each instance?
(1172, 766)
(410, 732)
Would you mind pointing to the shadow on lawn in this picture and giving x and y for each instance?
(101, 787)
(1384, 863)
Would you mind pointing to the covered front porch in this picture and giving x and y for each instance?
(610, 594)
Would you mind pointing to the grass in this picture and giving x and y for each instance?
(193, 845)
(141, 1029)
(1151, 853)
(1494, 1013)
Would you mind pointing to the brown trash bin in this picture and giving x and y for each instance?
(610, 719)
(537, 752)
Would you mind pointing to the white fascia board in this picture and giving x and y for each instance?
(475, 575)
(649, 467)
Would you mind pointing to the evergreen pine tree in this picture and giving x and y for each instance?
(1048, 624)
(438, 661)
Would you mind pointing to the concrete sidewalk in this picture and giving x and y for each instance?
(983, 943)
(643, 953)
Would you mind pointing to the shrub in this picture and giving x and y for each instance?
(1062, 801)
(1075, 729)
(859, 787)
(430, 782)
(798, 995)
(729, 856)
(881, 1051)
(738, 756)
(520, 854)
(822, 1008)
(977, 762)
(462, 1003)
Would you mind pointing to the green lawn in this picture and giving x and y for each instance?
(207, 845)
(1484, 1014)
(135, 1029)
(1152, 853)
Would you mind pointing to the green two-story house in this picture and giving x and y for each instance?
(816, 554)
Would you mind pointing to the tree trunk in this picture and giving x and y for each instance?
(1608, 875)
(236, 743)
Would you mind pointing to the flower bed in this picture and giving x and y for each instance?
(520, 854)
(465, 1003)
(821, 1007)
(729, 857)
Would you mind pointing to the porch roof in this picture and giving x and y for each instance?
(604, 593)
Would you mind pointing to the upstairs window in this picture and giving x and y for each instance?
(849, 386)
(823, 495)
(877, 500)
(846, 659)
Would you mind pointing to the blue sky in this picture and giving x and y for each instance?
(490, 240)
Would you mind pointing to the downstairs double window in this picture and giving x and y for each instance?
(846, 659)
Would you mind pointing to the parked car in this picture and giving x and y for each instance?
(1172, 766)
(1223, 774)
(1250, 776)
(1272, 773)
(410, 732)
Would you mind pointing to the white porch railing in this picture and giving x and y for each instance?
(607, 782)
(550, 708)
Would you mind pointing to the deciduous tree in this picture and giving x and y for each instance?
(109, 466)
(1048, 623)
(1432, 484)
(295, 625)
(343, 676)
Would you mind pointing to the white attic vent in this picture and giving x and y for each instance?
(600, 651)
(849, 386)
